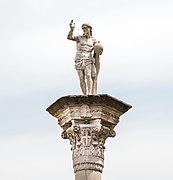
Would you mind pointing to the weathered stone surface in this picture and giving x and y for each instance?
(88, 175)
(87, 59)
(100, 99)
(87, 121)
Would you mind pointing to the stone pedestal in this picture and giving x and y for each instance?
(87, 121)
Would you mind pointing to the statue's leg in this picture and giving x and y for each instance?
(89, 78)
(82, 81)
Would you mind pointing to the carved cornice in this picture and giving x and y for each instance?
(87, 121)
(100, 99)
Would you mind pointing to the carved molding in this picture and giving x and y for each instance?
(85, 111)
(88, 166)
(88, 113)
(98, 100)
(87, 122)
(87, 144)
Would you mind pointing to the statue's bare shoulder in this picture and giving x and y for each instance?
(87, 60)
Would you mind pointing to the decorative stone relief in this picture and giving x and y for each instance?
(87, 121)
(85, 111)
(87, 143)
(88, 113)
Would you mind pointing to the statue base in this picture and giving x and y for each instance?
(87, 121)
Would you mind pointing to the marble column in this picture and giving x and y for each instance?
(87, 121)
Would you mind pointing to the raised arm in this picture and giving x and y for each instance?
(70, 34)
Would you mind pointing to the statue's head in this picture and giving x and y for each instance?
(87, 29)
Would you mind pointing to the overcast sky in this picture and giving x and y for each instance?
(37, 68)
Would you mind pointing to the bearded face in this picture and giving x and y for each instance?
(86, 32)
